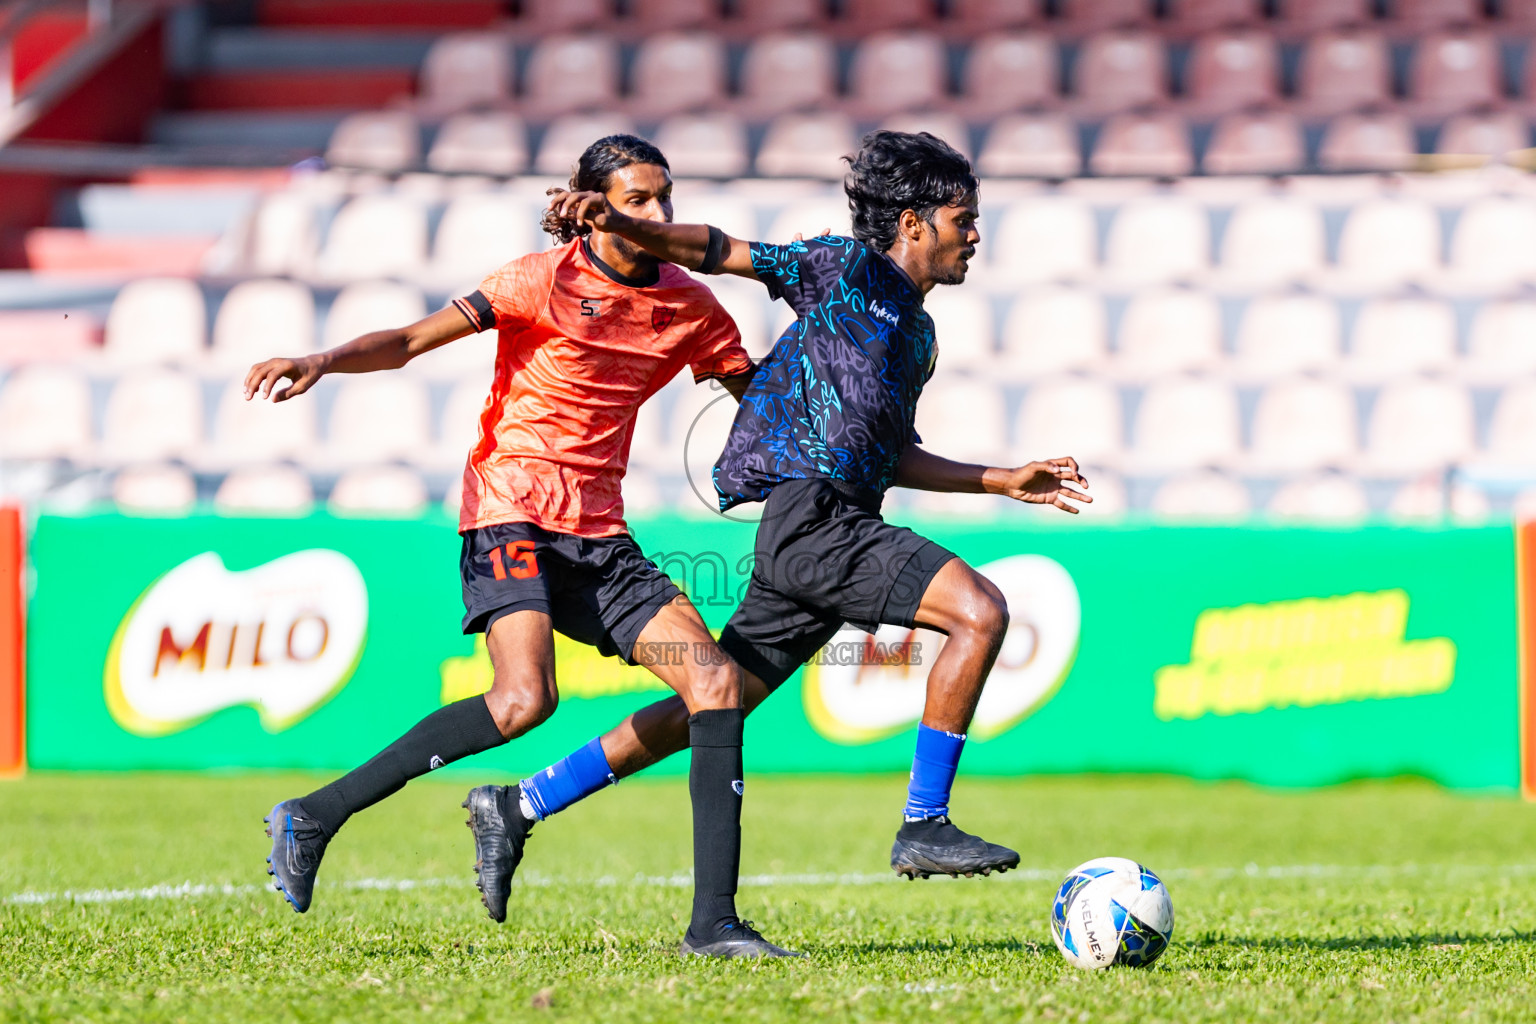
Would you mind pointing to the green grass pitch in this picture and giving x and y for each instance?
(142, 898)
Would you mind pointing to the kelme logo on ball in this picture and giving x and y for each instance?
(283, 638)
(859, 700)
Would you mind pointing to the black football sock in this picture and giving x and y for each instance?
(714, 783)
(447, 734)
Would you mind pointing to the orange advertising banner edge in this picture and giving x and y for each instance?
(13, 635)
(1525, 604)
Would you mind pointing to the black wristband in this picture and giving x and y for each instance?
(713, 251)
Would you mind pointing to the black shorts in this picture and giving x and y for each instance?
(597, 590)
(822, 558)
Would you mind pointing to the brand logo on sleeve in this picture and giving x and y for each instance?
(884, 313)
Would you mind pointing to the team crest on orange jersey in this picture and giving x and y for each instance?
(661, 317)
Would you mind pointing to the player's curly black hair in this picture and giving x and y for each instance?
(896, 171)
(594, 173)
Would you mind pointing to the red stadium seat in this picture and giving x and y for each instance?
(788, 71)
(898, 71)
(571, 72)
(676, 71)
(1206, 15)
(541, 17)
(1120, 69)
(1455, 69)
(1486, 132)
(706, 145)
(1518, 14)
(1232, 69)
(975, 19)
(947, 126)
(1306, 16)
(466, 70)
(1044, 145)
(1345, 68)
(807, 146)
(862, 17)
(1152, 142)
(1256, 142)
(664, 15)
(1429, 14)
(1009, 71)
(1097, 15)
(1369, 141)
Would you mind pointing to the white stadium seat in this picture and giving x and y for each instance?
(152, 415)
(1045, 239)
(261, 319)
(375, 236)
(489, 143)
(1512, 433)
(45, 413)
(265, 491)
(567, 138)
(1389, 241)
(1502, 346)
(1054, 329)
(155, 490)
(1186, 423)
(807, 146)
(157, 319)
(379, 490)
(377, 418)
(965, 328)
(284, 235)
(1326, 498)
(1393, 337)
(256, 431)
(1202, 497)
(1418, 425)
(1272, 240)
(1303, 425)
(1288, 333)
(1492, 244)
(371, 306)
(466, 69)
(964, 420)
(376, 140)
(1169, 330)
(1158, 239)
(1076, 416)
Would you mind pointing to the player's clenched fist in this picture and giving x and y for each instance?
(263, 377)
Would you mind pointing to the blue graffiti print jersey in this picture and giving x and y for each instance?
(837, 395)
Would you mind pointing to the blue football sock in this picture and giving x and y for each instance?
(933, 772)
(568, 780)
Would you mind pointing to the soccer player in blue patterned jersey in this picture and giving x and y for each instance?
(825, 428)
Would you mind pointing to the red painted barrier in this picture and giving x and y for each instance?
(12, 657)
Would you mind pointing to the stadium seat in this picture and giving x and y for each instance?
(705, 145)
(1054, 329)
(1079, 16)
(1120, 69)
(808, 218)
(1389, 241)
(1455, 68)
(478, 234)
(1186, 423)
(950, 127)
(895, 71)
(965, 328)
(1417, 425)
(1288, 333)
(1502, 346)
(375, 236)
(664, 15)
(728, 211)
(152, 414)
(1512, 432)
(963, 419)
(807, 146)
(157, 319)
(1204, 496)
(47, 335)
(377, 140)
(1158, 239)
(265, 491)
(1344, 68)
(371, 306)
(1256, 142)
(1168, 330)
(977, 19)
(378, 418)
(1492, 246)
(45, 413)
(1484, 131)
(676, 71)
(1428, 499)
(1272, 240)
(1399, 336)
(1424, 14)
(787, 71)
(1147, 142)
(1209, 15)
(378, 490)
(1045, 239)
(1517, 14)
(495, 143)
(751, 20)
(747, 303)
(1371, 140)
(1324, 498)
(1009, 71)
(155, 490)
(1303, 424)
(285, 235)
(1077, 416)
(471, 358)
(1298, 16)
(465, 70)
(1031, 144)
(261, 319)
(459, 426)
(649, 444)
(257, 431)
(1232, 69)
(541, 17)
(568, 137)
(568, 73)
(860, 18)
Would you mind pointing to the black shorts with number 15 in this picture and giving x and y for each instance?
(597, 590)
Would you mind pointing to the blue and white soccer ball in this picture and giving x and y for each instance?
(1111, 911)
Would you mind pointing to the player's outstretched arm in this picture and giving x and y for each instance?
(694, 246)
(379, 350)
(1037, 483)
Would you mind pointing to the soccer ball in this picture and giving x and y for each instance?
(1111, 911)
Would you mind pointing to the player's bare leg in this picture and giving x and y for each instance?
(964, 604)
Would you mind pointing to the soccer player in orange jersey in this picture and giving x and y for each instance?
(587, 332)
